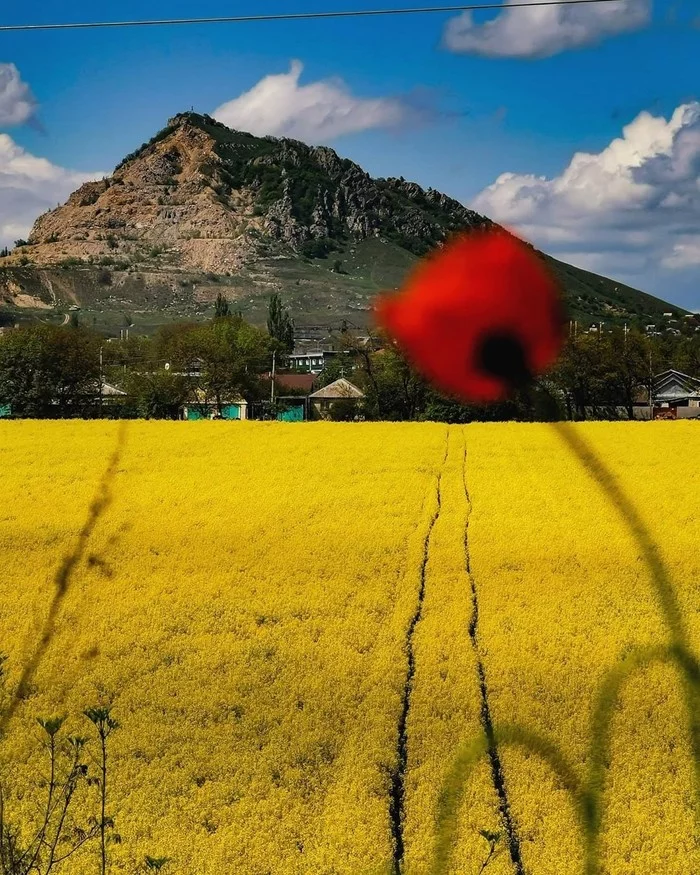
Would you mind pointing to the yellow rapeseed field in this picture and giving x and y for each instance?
(298, 626)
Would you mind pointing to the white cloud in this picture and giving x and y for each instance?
(685, 253)
(17, 103)
(317, 112)
(631, 210)
(28, 186)
(541, 31)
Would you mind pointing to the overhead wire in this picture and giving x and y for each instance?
(292, 16)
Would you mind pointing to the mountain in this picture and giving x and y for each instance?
(203, 209)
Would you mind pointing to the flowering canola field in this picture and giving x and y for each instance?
(297, 626)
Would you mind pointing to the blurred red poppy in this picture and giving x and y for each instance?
(478, 318)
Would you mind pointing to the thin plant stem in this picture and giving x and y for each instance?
(660, 578)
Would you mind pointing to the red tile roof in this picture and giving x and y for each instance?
(294, 382)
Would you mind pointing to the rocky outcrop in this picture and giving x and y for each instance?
(202, 209)
(202, 196)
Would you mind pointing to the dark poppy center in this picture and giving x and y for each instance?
(502, 355)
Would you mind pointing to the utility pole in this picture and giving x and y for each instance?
(274, 365)
(101, 377)
(651, 383)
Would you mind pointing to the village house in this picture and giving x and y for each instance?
(341, 391)
(313, 361)
(675, 395)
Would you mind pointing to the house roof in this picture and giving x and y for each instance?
(341, 388)
(673, 384)
(304, 382)
(111, 391)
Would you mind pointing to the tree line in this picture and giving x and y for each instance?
(598, 376)
(56, 372)
(49, 371)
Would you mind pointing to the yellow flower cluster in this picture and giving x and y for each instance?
(251, 598)
(564, 595)
(242, 603)
(445, 703)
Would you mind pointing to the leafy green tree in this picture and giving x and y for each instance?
(227, 354)
(362, 354)
(393, 389)
(344, 410)
(625, 366)
(686, 355)
(600, 373)
(157, 394)
(581, 374)
(47, 370)
(221, 307)
(540, 402)
(338, 366)
(397, 391)
(136, 353)
(280, 325)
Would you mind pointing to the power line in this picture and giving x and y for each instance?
(292, 16)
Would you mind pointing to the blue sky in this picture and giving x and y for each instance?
(448, 103)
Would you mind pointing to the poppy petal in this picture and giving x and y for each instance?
(478, 317)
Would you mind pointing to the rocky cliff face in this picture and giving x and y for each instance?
(202, 196)
(202, 209)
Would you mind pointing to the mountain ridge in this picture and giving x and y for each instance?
(201, 206)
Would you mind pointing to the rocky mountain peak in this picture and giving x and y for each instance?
(202, 209)
(206, 197)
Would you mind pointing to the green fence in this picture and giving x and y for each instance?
(292, 414)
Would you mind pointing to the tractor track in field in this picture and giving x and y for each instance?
(497, 774)
(397, 798)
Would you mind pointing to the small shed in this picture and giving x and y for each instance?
(291, 410)
(231, 409)
(291, 394)
(341, 393)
